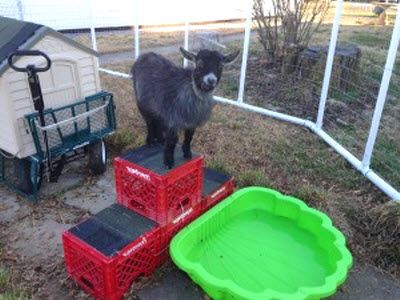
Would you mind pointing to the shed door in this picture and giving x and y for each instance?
(60, 85)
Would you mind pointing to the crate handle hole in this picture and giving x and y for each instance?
(183, 203)
(137, 205)
(87, 283)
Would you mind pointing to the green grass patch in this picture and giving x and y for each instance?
(377, 40)
(312, 195)
(125, 137)
(217, 163)
(345, 96)
(306, 158)
(228, 87)
(386, 159)
(7, 290)
(4, 278)
(12, 295)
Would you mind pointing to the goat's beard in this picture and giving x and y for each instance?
(200, 92)
(206, 88)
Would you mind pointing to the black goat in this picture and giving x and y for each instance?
(171, 98)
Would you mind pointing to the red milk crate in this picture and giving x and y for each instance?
(145, 186)
(98, 260)
(216, 187)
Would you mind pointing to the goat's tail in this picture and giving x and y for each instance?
(133, 75)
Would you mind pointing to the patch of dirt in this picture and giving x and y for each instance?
(31, 246)
(30, 240)
(46, 232)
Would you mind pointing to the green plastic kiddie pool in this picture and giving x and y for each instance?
(260, 244)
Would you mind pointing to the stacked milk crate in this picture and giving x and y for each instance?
(107, 252)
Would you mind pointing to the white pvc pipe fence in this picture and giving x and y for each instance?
(329, 64)
(246, 46)
(316, 127)
(380, 103)
(137, 23)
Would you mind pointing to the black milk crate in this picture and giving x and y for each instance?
(216, 187)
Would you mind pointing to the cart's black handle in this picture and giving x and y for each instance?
(31, 67)
(36, 91)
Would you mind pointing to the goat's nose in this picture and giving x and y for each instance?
(210, 79)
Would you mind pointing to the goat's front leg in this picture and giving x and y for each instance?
(170, 143)
(160, 132)
(187, 152)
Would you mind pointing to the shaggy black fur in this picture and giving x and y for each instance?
(171, 98)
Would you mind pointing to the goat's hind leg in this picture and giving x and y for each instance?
(151, 130)
(170, 143)
(187, 152)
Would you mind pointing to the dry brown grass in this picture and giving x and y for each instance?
(117, 42)
(379, 229)
(359, 15)
(151, 37)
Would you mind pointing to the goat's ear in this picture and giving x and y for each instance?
(187, 54)
(230, 58)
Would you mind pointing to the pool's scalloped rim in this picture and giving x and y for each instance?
(196, 270)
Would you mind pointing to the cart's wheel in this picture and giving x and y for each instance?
(39, 177)
(23, 179)
(98, 157)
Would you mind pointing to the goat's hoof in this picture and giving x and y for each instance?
(152, 144)
(187, 154)
(169, 163)
(161, 141)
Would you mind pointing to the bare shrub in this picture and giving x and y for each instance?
(287, 28)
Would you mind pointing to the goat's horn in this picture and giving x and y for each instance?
(231, 57)
(187, 54)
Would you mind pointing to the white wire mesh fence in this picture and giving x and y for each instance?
(123, 29)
